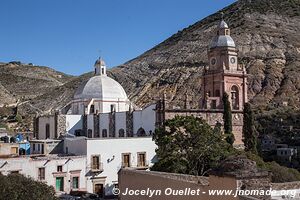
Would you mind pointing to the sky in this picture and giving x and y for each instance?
(69, 35)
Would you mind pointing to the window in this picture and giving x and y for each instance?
(90, 133)
(41, 174)
(39, 148)
(95, 162)
(92, 109)
(104, 133)
(75, 182)
(142, 159)
(102, 70)
(126, 160)
(14, 172)
(235, 97)
(47, 131)
(121, 133)
(33, 147)
(141, 132)
(59, 184)
(217, 94)
(59, 168)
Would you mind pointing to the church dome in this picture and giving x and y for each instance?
(222, 41)
(101, 87)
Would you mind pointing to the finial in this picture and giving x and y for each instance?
(222, 15)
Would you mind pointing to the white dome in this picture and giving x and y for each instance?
(101, 87)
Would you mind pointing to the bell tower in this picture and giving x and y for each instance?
(223, 73)
(100, 67)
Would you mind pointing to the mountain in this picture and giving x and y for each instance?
(266, 33)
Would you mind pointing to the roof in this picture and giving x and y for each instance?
(223, 24)
(101, 87)
(222, 41)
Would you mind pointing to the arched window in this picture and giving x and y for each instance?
(141, 132)
(104, 133)
(90, 133)
(92, 109)
(235, 97)
(121, 133)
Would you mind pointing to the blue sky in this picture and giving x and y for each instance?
(69, 35)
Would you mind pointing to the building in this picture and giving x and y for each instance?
(9, 149)
(169, 186)
(64, 173)
(285, 154)
(105, 157)
(223, 74)
(100, 107)
(46, 147)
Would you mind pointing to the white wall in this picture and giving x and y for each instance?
(73, 122)
(104, 123)
(120, 122)
(144, 118)
(110, 151)
(29, 167)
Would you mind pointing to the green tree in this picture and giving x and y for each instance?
(249, 132)
(188, 145)
(19, 187)
(227, 119)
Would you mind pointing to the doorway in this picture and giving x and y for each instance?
(99, 189)
(59, 183)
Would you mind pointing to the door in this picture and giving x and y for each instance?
(59, 183)
(99, 189)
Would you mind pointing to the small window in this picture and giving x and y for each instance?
(121, 133)
(75, 182)
(92, 109)
(141, 159)
(126, 160)
(33, 147)
(90, 133)
(59, 168)
(95, 162)
(14, 172)
(39, 147)
(47, 131)
(112, 108)
(214, 104)
(104, 133)
(41, 173)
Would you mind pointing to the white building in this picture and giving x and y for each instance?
(105, 157)
(100, 109)
(64, 173)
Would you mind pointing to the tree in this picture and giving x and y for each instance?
(227, 119)
(188, 145)
(249, 132)
(19, 187)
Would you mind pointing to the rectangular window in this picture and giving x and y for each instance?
(95, 162)
(14, 172)
(41, 174)
(33, 147)
(141, 159)
(39, 148)
(126, 160)
(47, 131)
(75, 182)
(59, 168)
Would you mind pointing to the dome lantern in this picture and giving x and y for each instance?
(100, 67)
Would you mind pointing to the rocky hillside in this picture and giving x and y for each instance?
(266, 33)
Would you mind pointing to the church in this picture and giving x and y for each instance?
(101, 109)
